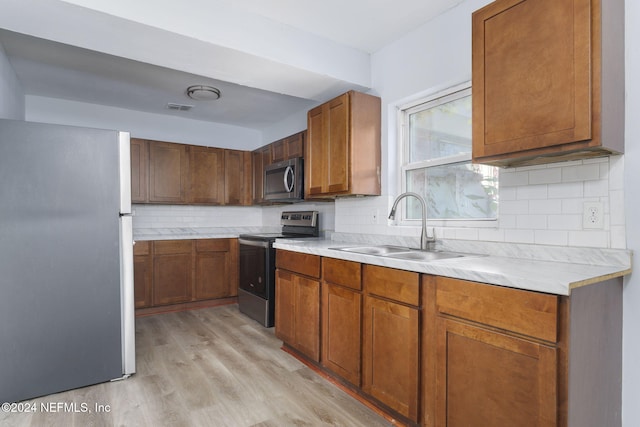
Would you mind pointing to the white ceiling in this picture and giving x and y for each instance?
(269, 58)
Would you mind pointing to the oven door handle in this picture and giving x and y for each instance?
(258, 243)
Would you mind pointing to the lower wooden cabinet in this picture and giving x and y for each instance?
(442, 352)
(142, 273)
(496, 356)
(391, 339)
(172, 271)
(180, 271)
(342, 319)
(297, 317)
(216, 269)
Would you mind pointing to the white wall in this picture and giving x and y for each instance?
(140, 124)
(631, 301)
(11, 92)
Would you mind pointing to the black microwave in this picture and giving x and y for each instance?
(283, 181)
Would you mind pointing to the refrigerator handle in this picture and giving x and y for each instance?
(125, 172)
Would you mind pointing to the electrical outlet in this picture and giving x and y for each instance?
(593, 215)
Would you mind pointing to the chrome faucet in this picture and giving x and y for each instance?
(424, 239)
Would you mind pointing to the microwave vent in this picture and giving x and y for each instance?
(179, 107)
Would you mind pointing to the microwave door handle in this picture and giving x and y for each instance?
(287, 172)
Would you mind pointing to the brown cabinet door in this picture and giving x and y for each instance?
(307, 318)
(215, 269)
(206, 175)
(315, 158)
(279, 150)
(390, 368)
(142, 274)
(341, 338)
(531, 75)
(295, 145)
(285, 306)
(172, 271)
(338, 155)
(297, 317)
(486, 378)
(168, 172)
(139, 170)
(237, 181)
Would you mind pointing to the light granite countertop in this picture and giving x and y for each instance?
(142, 234)
(554, 270)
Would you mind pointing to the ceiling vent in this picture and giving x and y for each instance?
(179, 107)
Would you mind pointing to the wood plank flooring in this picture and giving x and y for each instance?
(206, 367)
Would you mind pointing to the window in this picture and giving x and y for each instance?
(436, 160)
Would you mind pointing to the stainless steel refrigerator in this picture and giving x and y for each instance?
(66, 259)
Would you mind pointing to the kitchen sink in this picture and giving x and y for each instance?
(400, 252)
(374, 250)
(425, 255)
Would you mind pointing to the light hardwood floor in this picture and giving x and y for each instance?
(207, 367)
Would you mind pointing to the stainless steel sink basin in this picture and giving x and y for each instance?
(425, 255)
(374, 250)
(400, 252)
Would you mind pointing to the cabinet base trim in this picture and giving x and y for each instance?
(348, 388)
(185, 306)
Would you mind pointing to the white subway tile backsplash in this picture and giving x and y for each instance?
(545, 176)
(551, 237)
(531, 222)
(584, 172)
(596, 188)
(515, 207)
(592, 239)
(566, 190)
(549, 207)
(519, 236)
(565, 222)
(532, 192)
(513, 178)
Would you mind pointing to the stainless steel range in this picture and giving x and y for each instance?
(256, 293)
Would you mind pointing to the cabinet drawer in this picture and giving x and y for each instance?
(212, 245)
(398, 285)
(524, 312)
(306, 264)
(341, 272)
(161, 247)
(142, 248)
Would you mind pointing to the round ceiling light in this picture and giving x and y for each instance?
(203, 93)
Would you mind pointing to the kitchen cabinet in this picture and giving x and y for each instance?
(391, 338)
(168, 172)
(342, 318)
(548, 81)
(288, 148)
(168, 272)
(261, 159)
(237, 177)
(297, 316)
(206, 175)
(216, 269)
(142, 273)
(139, 170)
(342, 153)
(497, 356)
(172, 271)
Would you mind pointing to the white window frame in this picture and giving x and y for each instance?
(434, 98)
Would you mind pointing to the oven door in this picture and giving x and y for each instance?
(254, 268)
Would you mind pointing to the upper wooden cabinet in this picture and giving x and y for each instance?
(237, 177)
(168, 172)
(206, 175)
(288, 148)
(342, 153)
(261, 159)
(548, 81)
